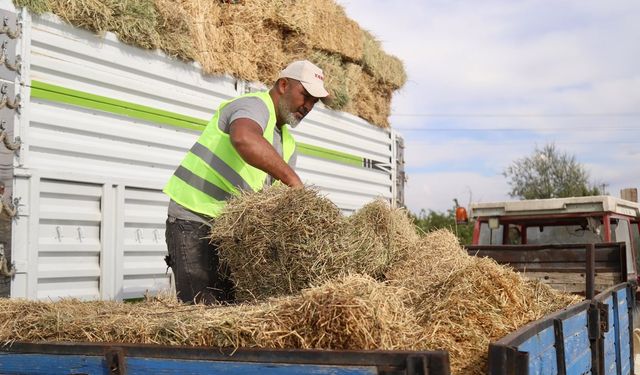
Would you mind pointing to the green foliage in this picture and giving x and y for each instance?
(433, 220)
(547, 173)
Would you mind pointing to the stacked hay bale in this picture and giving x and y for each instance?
(312, 278)
(252, 40)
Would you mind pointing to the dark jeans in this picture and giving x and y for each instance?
(199, 276)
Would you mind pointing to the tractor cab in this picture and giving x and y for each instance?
(578, 220)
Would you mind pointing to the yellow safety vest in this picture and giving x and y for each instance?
(213, 171)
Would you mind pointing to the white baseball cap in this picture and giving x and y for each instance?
(309, 75)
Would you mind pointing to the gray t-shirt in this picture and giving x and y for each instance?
(247, 107)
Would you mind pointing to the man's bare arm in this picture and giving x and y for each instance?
(246, 138)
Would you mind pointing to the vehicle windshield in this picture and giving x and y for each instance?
(561, 234)
(550, 231)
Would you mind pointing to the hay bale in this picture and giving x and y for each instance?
(386, 69)
(466, 302)
(353, 312)
(134, 22)
(279, 240)
(373, 101)
(335, 78)
(379, 237)
(175, 27)
(206, 35)
(323, 24)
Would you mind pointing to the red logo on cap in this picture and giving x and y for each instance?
(318, 76)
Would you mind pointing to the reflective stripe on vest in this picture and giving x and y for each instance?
(213, 171)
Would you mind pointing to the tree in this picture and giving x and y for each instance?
(439, 220)
(547, 173)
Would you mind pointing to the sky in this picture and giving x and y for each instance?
(490, 81)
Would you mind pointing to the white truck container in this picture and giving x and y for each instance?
(101, 126)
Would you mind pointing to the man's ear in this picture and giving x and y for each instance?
(282, 85)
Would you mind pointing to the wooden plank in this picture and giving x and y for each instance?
(604, 255)
(574, 283)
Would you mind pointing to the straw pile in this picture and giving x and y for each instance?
(279, 241)
(466, 302)
(384, 287)
(350, 312)
(252, 40)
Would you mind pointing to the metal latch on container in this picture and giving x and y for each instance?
(16, 67)
(598, 320)
(115, 361)
(11, 145)
(6, 101)
(6, 29)
(6, 269)
(11, 210)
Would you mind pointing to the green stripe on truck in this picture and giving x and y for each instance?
(60, 94)
(325, 153)
(54, 93)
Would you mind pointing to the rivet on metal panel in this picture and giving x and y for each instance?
(59, 233)
(80, 234)
(13, 146)
(139, 237)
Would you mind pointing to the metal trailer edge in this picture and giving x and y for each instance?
(127, 359)
(592, 337)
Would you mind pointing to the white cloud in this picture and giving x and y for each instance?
(575, 57)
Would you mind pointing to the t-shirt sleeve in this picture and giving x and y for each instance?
(293, 160)
(248, 107)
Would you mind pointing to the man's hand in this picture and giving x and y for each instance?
(246, 138)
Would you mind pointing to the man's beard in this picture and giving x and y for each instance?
(289, 117)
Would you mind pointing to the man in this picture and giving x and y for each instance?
(245, 146)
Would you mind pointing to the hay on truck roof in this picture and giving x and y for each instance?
(174, 27)
(386, 69)
(323, 24)
(251, 40)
